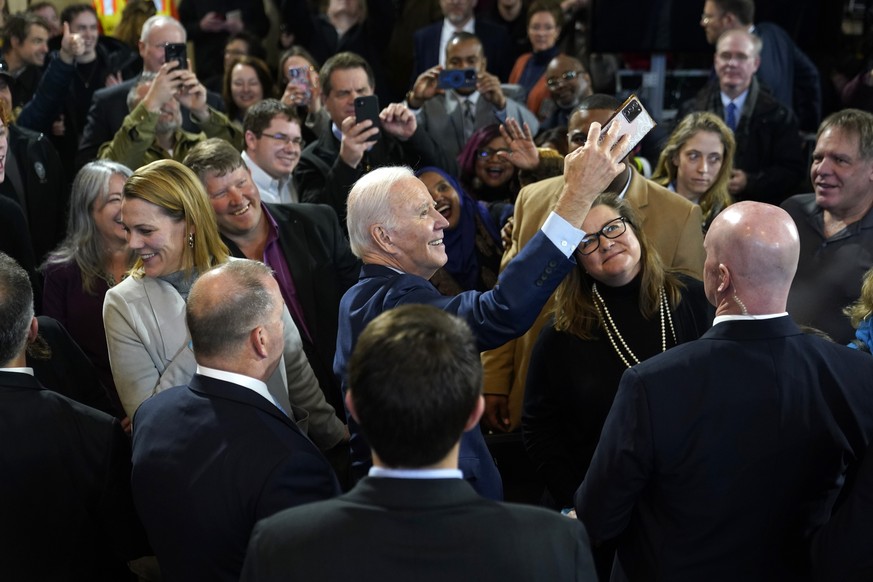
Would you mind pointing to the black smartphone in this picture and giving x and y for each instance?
(176, 51)
(457, 79)
(367, 107)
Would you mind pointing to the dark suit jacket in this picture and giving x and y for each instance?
(65, 502)
(323, 269)
(209, 460)
(36, 182)
(720, 456)
(495, 316)
(424, 530)
(769, 148)
(107, 113)
(494, 38)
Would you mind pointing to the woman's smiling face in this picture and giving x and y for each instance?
(494, 171)
(448, 202)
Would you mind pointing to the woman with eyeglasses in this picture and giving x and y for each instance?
(487, 173)
(544, 22)
(620, 306)
(697, 163)
(472, 238)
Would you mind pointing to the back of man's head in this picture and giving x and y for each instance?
(852, 122)
(760, 247)
(213, 157)
(16, 309)
(415, 379)
(225, 305)
(743, 10)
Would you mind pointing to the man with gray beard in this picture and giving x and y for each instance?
(153, 128)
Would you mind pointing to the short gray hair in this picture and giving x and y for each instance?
(160, 20)
(369, 203)
(16, 308)
(218, 324)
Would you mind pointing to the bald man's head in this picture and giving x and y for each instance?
(752, 251)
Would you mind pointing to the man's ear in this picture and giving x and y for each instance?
(33, 331)
(724, 277)
(258, 340)
(382, 239)
(350, 405)
(251, 139)
(476, 414)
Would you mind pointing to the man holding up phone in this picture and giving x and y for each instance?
(329, 166)
(153, 128)
(451, 107)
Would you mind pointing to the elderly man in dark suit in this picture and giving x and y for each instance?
(720, 457)
(396, 231)
(233, 456)
(423, 522)
(65, 502)
(302, 243)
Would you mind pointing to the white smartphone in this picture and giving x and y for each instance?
(634, 121)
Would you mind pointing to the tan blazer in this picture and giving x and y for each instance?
(671, 223)
(150, 351)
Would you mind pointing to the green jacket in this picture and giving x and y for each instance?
(134, 143)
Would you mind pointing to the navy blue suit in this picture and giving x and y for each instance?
(495, 316)
(495, 42)
(323, 268)
(720, 456)
(209, 460)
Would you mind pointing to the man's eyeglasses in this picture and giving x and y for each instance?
(612, 229)
(707, 18)
(565, 76)
(286, 139)
(486, 153)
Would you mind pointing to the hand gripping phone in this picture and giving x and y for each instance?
(633, 120)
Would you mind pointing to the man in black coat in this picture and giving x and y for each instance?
(65, 492)
(768, 164)
(721, 456)
(212, 458)
(415, 387)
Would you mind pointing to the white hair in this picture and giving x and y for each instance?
(159, 20)
(369, 203)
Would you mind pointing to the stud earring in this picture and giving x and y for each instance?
(191, 240)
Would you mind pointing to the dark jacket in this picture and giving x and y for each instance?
(769, 148)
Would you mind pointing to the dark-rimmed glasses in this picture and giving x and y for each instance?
(286, 139)
(563, 78)
(612, 229)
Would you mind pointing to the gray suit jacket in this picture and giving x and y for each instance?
(150, 351)
(442, 118)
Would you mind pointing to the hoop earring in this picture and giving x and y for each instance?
(191, 240)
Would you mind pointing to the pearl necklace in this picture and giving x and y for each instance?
(611, 328)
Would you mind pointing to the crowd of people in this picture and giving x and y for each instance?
(246, 328)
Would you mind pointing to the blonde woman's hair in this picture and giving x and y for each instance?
(863, 307)
(180, 195)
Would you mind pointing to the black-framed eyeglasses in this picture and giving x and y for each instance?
(563, 78)
(486, 153)
(286, 139)
(612, 229)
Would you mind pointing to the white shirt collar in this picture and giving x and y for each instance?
(271, 189)
(252, 384)
(723, 318)
(416, 473)
(447, 32)
(18, 370)
(739, 101)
